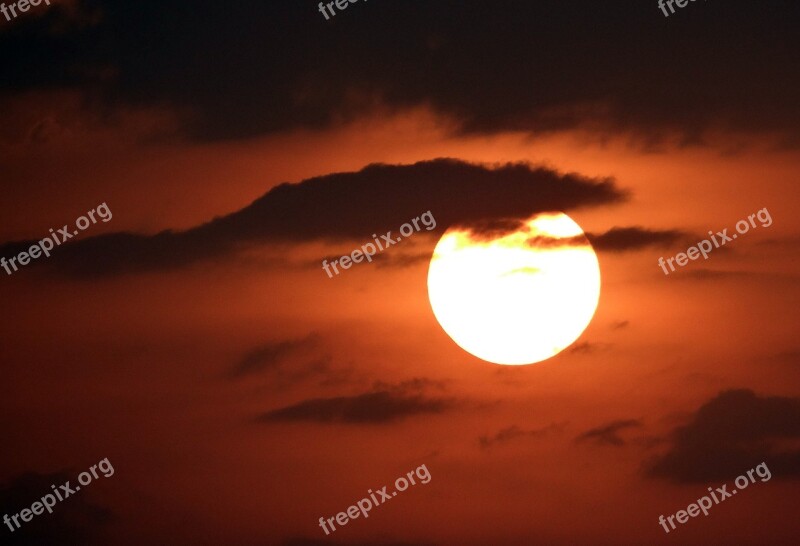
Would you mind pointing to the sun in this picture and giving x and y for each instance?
(515, 295)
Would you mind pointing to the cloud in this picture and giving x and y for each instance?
(387, 405)
(513, 432)
(617, 239)
(586, 347)
(731, 433)
(621, 239)
(547, 242)
(342, 206)
(290, 70)
(791, 356)
(73, 521)
(269, 356)
(609, 434)
(281, 365)
(488, 229)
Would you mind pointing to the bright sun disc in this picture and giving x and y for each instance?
(517, 297)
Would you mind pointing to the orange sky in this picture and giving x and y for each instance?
(134, 367)
(241, 394)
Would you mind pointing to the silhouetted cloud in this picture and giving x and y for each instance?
(621, 239)
(730, 434)
(73, 522)
(791, 356)
(586, 347)
(513, 432)
(294, 69)
(488, 229)
(608, 434)
(270, 355)
(546, 242)
(617, 239)
(389, 404)
(337, 207)
(282, 365)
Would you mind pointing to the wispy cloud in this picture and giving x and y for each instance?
(386, 404)
(270, 355)
(514, 432)
(609, 434)
(622, 239)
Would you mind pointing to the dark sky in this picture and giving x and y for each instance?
(195, 340)
(254, 68)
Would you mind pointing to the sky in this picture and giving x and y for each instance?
(190, 337)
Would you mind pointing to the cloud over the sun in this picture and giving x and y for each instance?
(341, 206)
